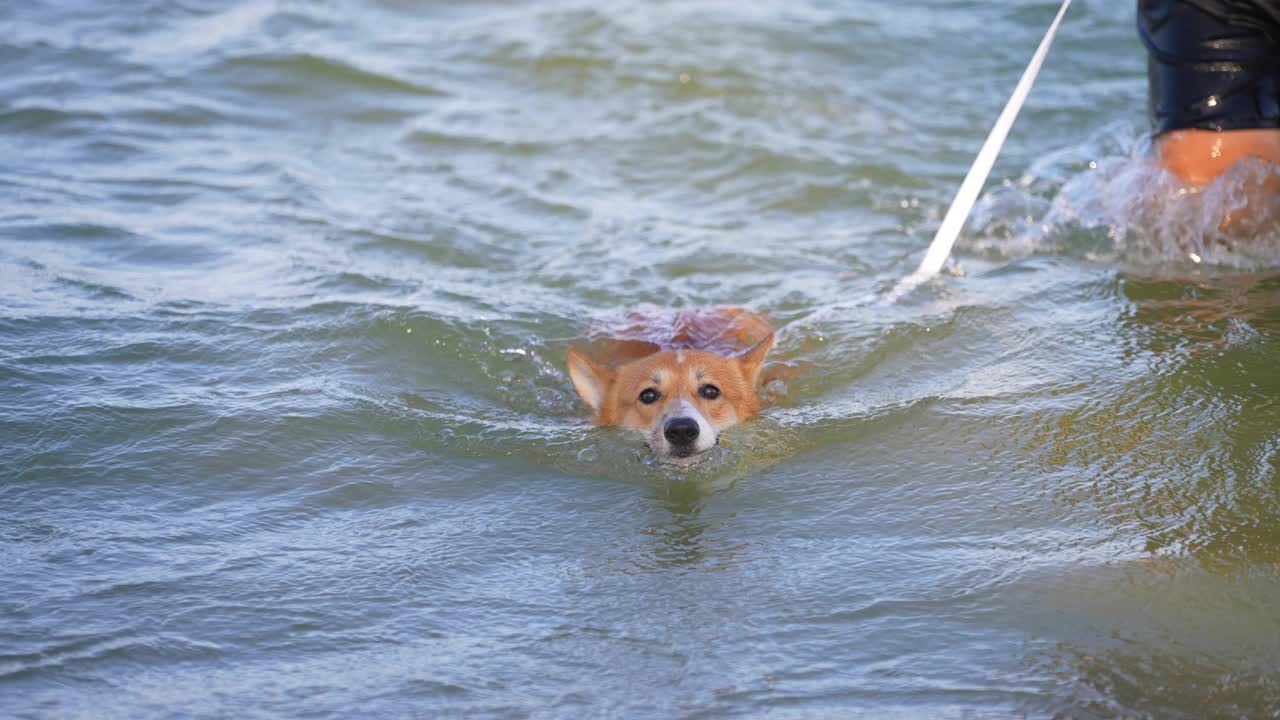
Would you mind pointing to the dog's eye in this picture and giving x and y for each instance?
(710, 392)
(648, 396)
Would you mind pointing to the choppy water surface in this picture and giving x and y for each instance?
(285, 292)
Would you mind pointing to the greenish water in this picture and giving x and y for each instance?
(285, 292)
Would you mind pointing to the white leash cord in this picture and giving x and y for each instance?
(953, 221)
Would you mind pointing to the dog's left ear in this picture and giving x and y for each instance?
(752, 360)
(589, 379)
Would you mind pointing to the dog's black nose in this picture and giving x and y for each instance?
(681, 431)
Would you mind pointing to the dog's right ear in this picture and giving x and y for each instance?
(589, 379)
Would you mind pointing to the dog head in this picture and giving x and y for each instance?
(680, 399)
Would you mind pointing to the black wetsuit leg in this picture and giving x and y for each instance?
(1212, 64)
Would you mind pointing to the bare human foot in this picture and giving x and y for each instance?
(1197, 157)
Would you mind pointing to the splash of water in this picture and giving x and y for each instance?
(952, 223)
(1108, 200)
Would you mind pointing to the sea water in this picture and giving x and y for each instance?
(285, 431)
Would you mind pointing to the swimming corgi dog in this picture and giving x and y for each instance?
(679, 378)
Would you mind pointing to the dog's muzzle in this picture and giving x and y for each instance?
(682, 433)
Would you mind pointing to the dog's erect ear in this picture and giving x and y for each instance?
(589, 379)
(753, 359)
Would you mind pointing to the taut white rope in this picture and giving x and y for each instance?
(953, 221)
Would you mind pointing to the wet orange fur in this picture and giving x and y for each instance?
(669, 365)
